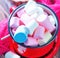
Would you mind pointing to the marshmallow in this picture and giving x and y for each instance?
(41, 17)
(21, 49)
(21, 34)
(40, 10)
(30, 7)
(20, 12)
(51, 18)
(14, 30)
(32, 26)
(47, 36)
(31, 42)
(14, 22)
(25, 18)
(11, 55)
(39, 32)
(48, 25)
(34, 16)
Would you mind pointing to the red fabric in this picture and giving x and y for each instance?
(4, 44)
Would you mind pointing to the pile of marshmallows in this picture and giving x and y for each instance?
(32, 26)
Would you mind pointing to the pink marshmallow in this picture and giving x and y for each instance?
(14, 22)
(20, 12)
(39, 33)
(21, 49)
(25, 18)
(31, 42)
(48, 25)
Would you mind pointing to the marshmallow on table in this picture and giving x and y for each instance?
(21, 34)
(14, 22)
(51, 18)
(32, 25)
(10, 54)
(25, 18)
(21, 49)
(44, 20)
(31, 42)
(39, 32)
(30, 7)
(47, 36)
(20, 12)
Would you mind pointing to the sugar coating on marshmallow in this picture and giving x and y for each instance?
(25, 18)
(41, 17)
(32, 26)
(21, 49)
(20, 12)
(30, 7)
(39, 32)
(10, 54)
(14, 22)
(47, 36)
(51, 18)
(21, 34)
(31, 42)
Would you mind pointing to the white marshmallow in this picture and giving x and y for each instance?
(32, 26)
(34, 16)
(14, 22)
(41, 17)
(25, 18)
(47, 36)
(51, 18)
(39, 32)
(11, 55)
(30, 7)
(40, 10)
(21, 49)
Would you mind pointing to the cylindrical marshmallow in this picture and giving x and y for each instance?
(14, 22)
(30, 7)
(47, 37)
(11, 55)
(39, 32)
(40, 10)
(20, 12)
(44, 20)
(51, 18)
(21, 49)
(41, 17)
(32, 26)
(21, 34)
(25, 18)
(31, 42)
